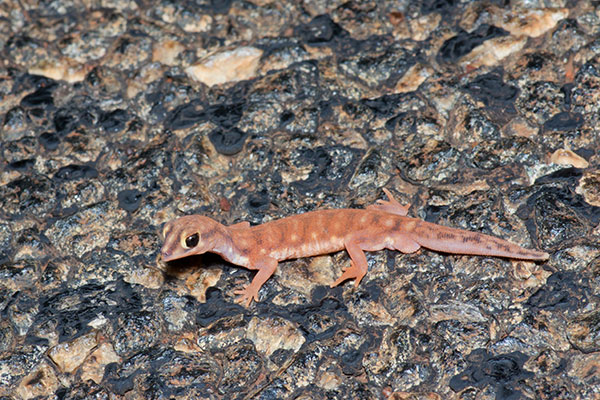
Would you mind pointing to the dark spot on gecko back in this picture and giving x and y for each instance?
(445, 235)
(376, 219)
(474, 238)
(258, 241)
(502, 246)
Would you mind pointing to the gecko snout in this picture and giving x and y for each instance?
(166, 255)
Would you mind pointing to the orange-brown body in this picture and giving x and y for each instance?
(380, 226)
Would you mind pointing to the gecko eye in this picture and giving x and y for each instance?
(192, 241)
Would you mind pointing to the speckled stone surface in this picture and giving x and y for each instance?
(120, 116)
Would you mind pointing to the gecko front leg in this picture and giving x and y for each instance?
(266, 267)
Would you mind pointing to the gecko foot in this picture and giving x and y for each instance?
(246, 295)
(350, 273)
(391, 206)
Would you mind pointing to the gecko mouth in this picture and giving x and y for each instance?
(167, 256)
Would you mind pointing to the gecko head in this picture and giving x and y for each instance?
(189, 235)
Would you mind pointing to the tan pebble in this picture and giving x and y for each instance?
(568, 157)
(492, 51)
(531, 22)
(38, 383)
(94, 367)
(65, 69)
(68, 356)
(272, 334)
(228, 66)
(413, 78)
(166, 52)
(589, 187)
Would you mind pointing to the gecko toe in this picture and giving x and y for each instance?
(245, 296)
(349, 273)
(243, 301)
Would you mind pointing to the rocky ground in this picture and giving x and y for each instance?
(118, 117)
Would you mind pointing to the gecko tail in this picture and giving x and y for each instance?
(458, 241)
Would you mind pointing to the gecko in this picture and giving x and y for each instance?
(384, 225)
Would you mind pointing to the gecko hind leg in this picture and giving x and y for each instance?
(405, 244)
(391, 206)
(358, 264)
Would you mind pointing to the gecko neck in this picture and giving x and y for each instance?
(224, 245)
